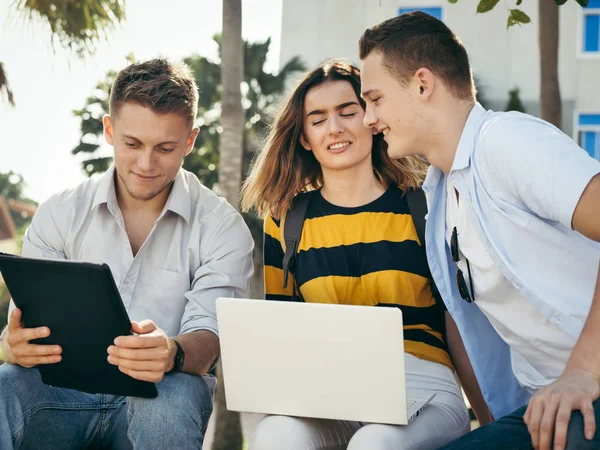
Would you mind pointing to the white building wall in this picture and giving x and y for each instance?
(501, 59)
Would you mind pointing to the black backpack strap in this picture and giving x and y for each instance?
(292, 231)
(417, 206)
(418, 210)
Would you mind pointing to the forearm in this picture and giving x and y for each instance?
(201, 350)
(465, 373)
(585, 358)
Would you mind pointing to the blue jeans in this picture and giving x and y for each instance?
(34, 415)
(510, 433)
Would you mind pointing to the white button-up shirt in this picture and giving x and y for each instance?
(520, 179)
(198, 250)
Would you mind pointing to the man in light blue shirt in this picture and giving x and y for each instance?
(513, 236)
(173, 248)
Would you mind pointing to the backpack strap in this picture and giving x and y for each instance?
(418, 210)
(291, 224)
(417, 206)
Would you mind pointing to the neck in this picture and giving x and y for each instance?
(448, 127)
(352, 187)
(129, 204)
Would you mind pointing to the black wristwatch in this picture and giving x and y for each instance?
(179, 357)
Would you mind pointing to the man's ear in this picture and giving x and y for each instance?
(426, 82)
(191, 140)
(108, 129)
(304, 142)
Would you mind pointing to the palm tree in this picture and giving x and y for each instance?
(550, 102)
(76, 25)
(4, 87)
(228, 428)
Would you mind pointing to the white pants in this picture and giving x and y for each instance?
(442, 421)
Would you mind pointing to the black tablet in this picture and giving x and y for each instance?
(81, 305)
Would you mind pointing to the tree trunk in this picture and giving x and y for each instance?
(232, 114)
(550, 102)
(228, 430)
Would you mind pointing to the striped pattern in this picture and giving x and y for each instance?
(368, 255)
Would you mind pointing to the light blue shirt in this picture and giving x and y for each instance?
(520, 178)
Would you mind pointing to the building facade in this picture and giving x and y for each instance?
(502, 59)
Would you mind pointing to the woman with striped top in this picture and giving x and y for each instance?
(358, 246)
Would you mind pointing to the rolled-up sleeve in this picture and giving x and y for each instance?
(225, 271)
(539, 165)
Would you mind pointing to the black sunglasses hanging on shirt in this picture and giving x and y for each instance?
(460, 278)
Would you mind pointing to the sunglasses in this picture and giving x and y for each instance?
(460, 278)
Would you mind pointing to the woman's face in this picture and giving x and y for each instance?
(333, 127)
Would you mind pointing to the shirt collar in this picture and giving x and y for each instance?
(106, 191)
(462, 158)
(178, 201)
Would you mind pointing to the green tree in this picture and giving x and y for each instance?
(228, 426)
(4, 300)
(548, 38)
(514, 101)
(76, 25)
(12, 187)
(5, 87)
(260, 91)
(481, 96)
(92, 137)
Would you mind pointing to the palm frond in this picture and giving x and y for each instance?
(77, 25)
(5, 87)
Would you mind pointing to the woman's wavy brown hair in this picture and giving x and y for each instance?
(283, 168)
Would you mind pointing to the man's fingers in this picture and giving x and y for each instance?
(153, 377)
(142, 341)
(30, 361)
(562, 424)
(23, 335)
(536, 406)
(143, 354)
(36, 350)
(589, 419)
(14, 321)
(143, 327)
(140, 366)
(547, 425)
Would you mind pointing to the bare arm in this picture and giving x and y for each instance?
(549, 412)
(465, 373)
(201, 350)
(586, 219)
(150, 354)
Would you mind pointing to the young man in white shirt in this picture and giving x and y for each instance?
(512, 237)
(173, 247)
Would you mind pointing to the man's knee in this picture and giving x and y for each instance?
(575, 433)
(16, 380)
(182, 399)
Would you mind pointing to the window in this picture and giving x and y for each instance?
(591, 28)
(588, 133)
(434, 11)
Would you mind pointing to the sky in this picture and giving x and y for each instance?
(37, 136)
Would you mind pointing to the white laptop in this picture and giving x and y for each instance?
(315, 360)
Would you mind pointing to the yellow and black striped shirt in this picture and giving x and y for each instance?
(368, 255)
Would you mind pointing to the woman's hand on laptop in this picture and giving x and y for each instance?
(17, 348)
(145, 356)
